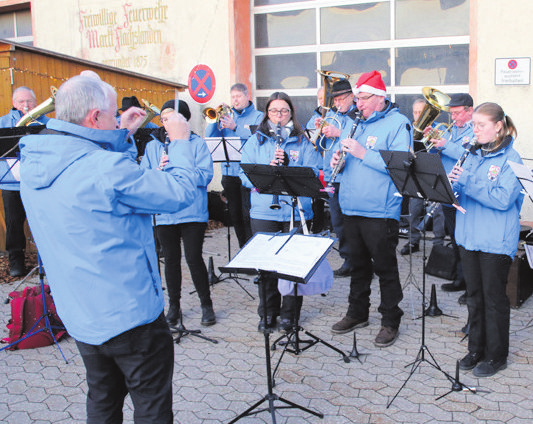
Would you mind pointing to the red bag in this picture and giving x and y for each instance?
(27, 316)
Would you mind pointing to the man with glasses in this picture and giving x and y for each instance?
(371, 208)
(244, 116)
(340, 120)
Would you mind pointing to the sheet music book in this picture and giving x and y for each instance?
(524, 175)
(218, 153)
(292, 257)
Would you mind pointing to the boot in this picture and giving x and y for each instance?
(173, 314)
(208, 316)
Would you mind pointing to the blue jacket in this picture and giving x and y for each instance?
(453, 149)
(9, 121)
(346, 122)
(89, 207)
(203, 173)
(243, 118)
(366, 189)
(491, 195)
(260, 149)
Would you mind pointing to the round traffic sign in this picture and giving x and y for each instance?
(202, 83)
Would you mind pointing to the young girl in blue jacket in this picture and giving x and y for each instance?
(280, 123)
(487, 235)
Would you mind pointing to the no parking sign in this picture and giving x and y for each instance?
(202, 83)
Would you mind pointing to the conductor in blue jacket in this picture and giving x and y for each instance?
(371, 208)
(487, 235)
(89, 207)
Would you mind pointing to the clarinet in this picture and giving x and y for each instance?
(342, 157)
(434, 205)
(275, 200)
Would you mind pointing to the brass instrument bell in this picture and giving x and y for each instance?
(437, 102)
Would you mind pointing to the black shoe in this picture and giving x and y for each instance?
(271, 323)
(462, 299)
(344, 271)
(17, 270)
(489, 368)
(470, 361)
(208, 316)
(466, 328)
(409, 248)
(173, 314)
(285, 325)
(457, 285)
(403, 232)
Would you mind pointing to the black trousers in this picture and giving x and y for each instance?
(372, 246)
(238, 198)
(15, 216)
(192, 234)
(139, 362)
(291, 304)
(488, 305)
(337, 222)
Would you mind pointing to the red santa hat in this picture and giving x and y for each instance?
(371, 82)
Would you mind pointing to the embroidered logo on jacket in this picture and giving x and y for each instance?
(294, 155)
(371, 141)
(493, 172)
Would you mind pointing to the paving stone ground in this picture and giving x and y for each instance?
(214, 383)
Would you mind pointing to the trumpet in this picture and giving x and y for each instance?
(436, 133)
(342, 158)
(216, 114)
(45, 107)
(151, 112)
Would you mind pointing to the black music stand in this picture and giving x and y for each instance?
(294, 257)
(225, 149)
(295, 182)
(422, 175)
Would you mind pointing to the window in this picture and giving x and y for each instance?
(16, 26)
(413, 43)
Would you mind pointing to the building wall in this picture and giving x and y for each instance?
(501, 30)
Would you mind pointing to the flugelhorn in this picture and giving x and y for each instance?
(45, 107)
(437, 102)
(436, 133)
(216, 114)
(318, 137)
(151, 112)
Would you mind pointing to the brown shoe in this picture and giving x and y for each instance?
(348, 324)
(386, 336)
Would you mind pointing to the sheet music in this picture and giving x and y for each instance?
(216, 148)
(524, 175)
(529, 254)
(298, 256)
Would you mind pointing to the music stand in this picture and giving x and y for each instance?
(422, 175)
(295, 182)
(225, 149)
(294, 257)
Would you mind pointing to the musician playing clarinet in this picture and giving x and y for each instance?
(487, 235)
(371, 208)
(279, 141)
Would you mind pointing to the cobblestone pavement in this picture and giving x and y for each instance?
(214, 383)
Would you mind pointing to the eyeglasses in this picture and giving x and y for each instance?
(342, 98)
(364, 99)
(278, 111)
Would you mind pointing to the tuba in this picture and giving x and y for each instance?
(45, 107)
(151, 112)
(437, 102)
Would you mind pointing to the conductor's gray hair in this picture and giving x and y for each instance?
(23, 88)
(79, 95)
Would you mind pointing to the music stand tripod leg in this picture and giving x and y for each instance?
(182, 332)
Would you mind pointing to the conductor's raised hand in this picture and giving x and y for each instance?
(176, 125)
(132, 118)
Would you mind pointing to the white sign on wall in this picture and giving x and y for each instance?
(513, 71)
